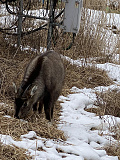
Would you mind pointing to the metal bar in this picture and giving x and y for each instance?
(29, 16)
(59, 13)
(50, 29)
(19, 31)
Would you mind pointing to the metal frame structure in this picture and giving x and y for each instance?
(21, 15)
(51, 19)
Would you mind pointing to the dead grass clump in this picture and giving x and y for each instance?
(114, 6)
(113, 150)
(95, 4)
(87, 76)
(109, 102)
(8, 152)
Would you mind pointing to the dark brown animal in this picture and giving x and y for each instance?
(42, 82)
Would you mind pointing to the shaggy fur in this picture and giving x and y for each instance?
(42, 82)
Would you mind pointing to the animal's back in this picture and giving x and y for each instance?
(50, 66)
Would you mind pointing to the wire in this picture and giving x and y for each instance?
(71, 44)
(25, 33)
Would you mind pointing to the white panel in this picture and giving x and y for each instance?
(72, 16)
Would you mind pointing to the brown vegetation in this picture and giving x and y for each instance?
(7, 152)
(109, 102)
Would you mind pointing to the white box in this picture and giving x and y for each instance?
(72, 16)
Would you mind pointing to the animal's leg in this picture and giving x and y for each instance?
(40, 106)
(47, 111)
(18, 105)
(52, 107)
(16, 113)
(47, 106)
(49, 102)
(54, 99)
(35, 107)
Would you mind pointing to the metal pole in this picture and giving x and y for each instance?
(50, 29)
(19, 31)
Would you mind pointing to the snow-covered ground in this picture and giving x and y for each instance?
(83, 143)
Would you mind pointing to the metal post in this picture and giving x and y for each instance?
(50, 29)
(19, 31)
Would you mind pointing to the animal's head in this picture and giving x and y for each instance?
(22, 101)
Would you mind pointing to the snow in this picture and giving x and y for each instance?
(112, 69)
(82, 142)
(95, 19)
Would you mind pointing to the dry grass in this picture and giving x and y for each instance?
(109, 102)
(93, 4)
(87, 76)
(89, 42)
(37, 123)
(7, 152)
(114, 150)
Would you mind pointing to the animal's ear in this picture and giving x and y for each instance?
(14, 86)
(33, 90)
